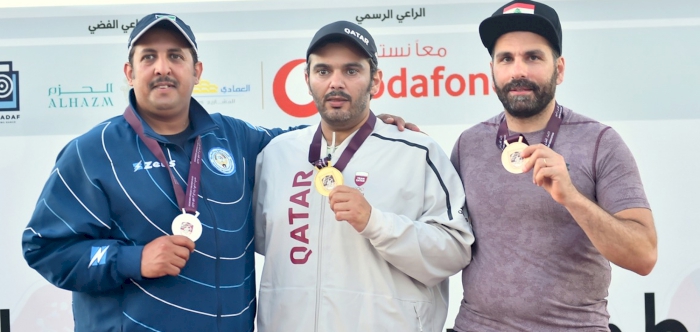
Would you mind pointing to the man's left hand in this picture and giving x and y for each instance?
(550, 172)
(398, 122)
(350, 205)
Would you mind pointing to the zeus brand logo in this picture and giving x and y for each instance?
(397, 86)
(151, 164)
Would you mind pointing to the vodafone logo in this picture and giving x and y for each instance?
(292, 95)
(283, 87)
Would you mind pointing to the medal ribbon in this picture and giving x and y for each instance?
(187, 202)
(547, 139)
(355, 143)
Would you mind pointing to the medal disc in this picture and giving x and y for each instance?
(188, 225)
(511, 157)
(326, 179)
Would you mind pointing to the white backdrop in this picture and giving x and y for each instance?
(630, 64)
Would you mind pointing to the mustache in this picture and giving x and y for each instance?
(336, 93)
(521, 83)
(163, 79)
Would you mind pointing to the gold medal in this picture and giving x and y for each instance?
(511, 158)
(327, 178)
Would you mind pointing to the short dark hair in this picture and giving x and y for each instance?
(555, 54)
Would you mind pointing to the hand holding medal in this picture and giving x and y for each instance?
(327, 178)
(350, 205)
(549, 168)
(549, 171)
(512, 157)
(188, 225)
(166, 255)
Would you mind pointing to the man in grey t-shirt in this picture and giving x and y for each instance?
(548, 225)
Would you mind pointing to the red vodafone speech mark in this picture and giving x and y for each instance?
(280, 93)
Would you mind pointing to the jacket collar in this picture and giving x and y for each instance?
(200, 119)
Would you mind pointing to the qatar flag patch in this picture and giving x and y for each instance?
(361, 178)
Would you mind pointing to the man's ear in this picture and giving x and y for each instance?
(306, 78)
(376, 82)
(129, 73)
(493, 78)
(561, 66)
(198, 68)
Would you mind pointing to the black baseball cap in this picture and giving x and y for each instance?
(351, 32)
(522, 15)
(151, 20)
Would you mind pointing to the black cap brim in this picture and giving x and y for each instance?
(356, 34)
(344, 36)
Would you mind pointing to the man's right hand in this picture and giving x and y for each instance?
(166, 255)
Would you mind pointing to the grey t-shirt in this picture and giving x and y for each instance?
(533, 267)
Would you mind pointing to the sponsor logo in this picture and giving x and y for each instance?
(9, 88)
(151, 164)
(404, 84)
(222, 161)
(361, 178)
(97, 256)
(10, 117)
(279, 92)
(209, 93)
(84, 97)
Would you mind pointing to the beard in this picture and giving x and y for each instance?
(336, 117)
(524, 107)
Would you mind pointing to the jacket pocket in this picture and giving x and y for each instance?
(418, 313)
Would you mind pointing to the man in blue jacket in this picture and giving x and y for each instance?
(103, 226)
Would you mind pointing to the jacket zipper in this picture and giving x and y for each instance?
(217, 264)
(420, 323)
(318, 264)
(216, 245)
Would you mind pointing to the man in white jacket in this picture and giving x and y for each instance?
(361, 224)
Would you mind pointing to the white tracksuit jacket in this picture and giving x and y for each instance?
(321, 275)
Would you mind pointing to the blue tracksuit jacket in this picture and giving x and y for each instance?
(108, 196)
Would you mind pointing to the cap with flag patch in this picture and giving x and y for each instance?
(151, 20)
(522, 15)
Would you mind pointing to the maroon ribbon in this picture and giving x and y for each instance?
(547, 139)
(188, 201)
(355, 143)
